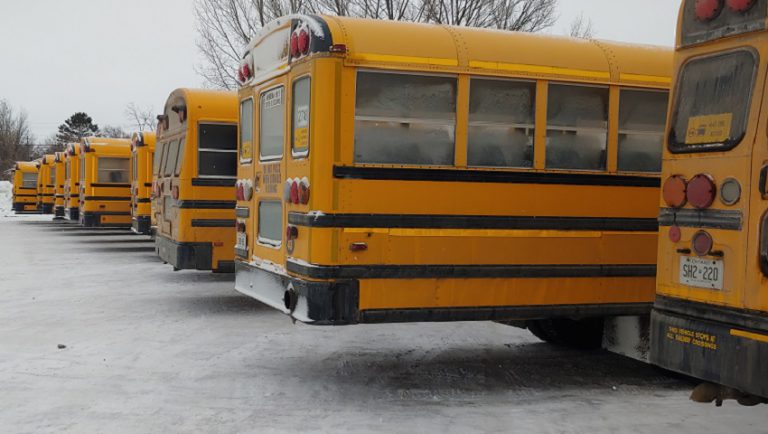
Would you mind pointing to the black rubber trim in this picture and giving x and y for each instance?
(499, 313)
(25, 195)
(109, 198)
(471, 222)
(206, 204)
(692, 218)
(243, 212)
(213, 182)
(749, 319)
(467, 271)
(111, 185)
(453, 175)
(147, 184)
(100, 213)
(213, 223)
(144, 200)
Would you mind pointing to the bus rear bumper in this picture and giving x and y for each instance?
(72, 213)
(141, 225)
(91, 219)
(58, 212)
(25, 207)
(710, 349)
(47, 208)
(184, 255)
(318, 303)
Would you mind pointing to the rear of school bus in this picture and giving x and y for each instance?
(196, 159)
(142, 155)
(58, 176)
(105, 189)
(72, 182)
(45, 184)
(710, 317)
(25, 187)
(362, 199)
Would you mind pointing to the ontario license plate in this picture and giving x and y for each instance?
(241, 240)
(701, 273)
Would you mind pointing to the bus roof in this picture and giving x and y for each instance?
(143, 138)
(48, 159)
(26, 166)
(184, 103)
(389, 44)
(105, 145)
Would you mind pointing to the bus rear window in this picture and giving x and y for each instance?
(642, 118)
(270, 222)
(157, 159)
(113, 170)
(29, 180)
(712, 102)
(217, 150)
(405, 119)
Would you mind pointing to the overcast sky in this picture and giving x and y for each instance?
(62, 56)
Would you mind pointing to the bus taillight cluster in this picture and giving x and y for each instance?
(296, 191)
(244, 189)
(700, 191)
(708, 10)
(300, 42)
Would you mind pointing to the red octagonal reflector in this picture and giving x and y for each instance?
(708, 10)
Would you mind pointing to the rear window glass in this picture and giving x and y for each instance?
(29, 180)
(577, 127)
(53, 175)
(642, 118)
(300, 132)
(271, 123)
(405, 119)
(270, 222)
(169, 165)
(217, 151)
(246, 129)
(712, 102)
(501, 123)
(157, 159)
(113, 170)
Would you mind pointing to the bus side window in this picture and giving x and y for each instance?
(171, 157)
(501, 123)
(217, 150)
(113, 170)
(157, 159)
(642, 117)
(180, 147)
(272, 123)
(577, 127)
(29, 180)
(405, 119)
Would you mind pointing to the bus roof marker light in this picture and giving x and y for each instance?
(303, 41)
(741, 5)
(674, 190)
(708, 10)
(701, 191)
(294, 45)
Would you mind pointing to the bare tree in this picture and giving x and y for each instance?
(113, 131)
(225, 27)
(142, 118)
(582, 28)
(16, 139)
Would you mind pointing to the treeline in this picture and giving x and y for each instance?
(16, 139)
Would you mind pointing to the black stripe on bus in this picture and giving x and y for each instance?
(213, 182)
(245, 212)
(467, 271)
(147, 184)
(144, 200)
(110, 185)
(213, 223)
(419, 221)
(100, 213)
(749, 319)
(709, 219)
(109, 198)
(206, 204)
(25, 195)
(453, 175)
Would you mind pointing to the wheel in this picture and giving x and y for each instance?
(584, 333)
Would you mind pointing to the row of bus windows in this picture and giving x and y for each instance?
(112, 170)
(216, 153)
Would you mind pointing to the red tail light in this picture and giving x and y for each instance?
(708, 10)
(294, 192)
(246, 70)
(304, 191)
(240, 76)
(741, 5)
(702, 243)
(291, 233)
(295, 45)
(239, 191)
(303, 41)
(701, 191)
(175, 192)
(674, 190)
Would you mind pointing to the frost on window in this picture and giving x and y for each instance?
(577, 127)
(405, 119)
(217, 150)
(301, 102)
(270, 222)
(157, 159)
(113, 170)
(272, 123)
(53, 175)
(171, 157)
(246, 129)
(501, 123)
(29, 180)
(642, 117)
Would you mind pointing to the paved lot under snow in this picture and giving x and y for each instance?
(150, 350)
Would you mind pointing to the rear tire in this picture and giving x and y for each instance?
(583, 334)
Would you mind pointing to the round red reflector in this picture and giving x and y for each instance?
(708, 10)
(701, 191)
(675, 234)
(303, 41)
(673, 191)
(702, 243)
(295, 45)
(741, 5)
(294, 192)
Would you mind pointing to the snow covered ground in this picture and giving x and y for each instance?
(6, 198)
(150, 350)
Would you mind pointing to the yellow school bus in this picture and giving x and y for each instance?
(710, 318)
(196, 165)
(105, 188)
(393, 172)
(72, 182)
(58, 177)
(45, 183)
(25, 187)
(142, 154)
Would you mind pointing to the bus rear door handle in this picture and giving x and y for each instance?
(763, 180)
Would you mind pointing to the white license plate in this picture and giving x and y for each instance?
(241, 240)
(701, 273)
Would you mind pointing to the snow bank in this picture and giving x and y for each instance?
(6, 198)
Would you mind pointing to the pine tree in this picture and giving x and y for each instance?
(78, 125)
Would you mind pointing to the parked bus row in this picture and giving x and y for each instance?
(456, 174)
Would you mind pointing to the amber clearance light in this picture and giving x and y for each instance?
(674, 190)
